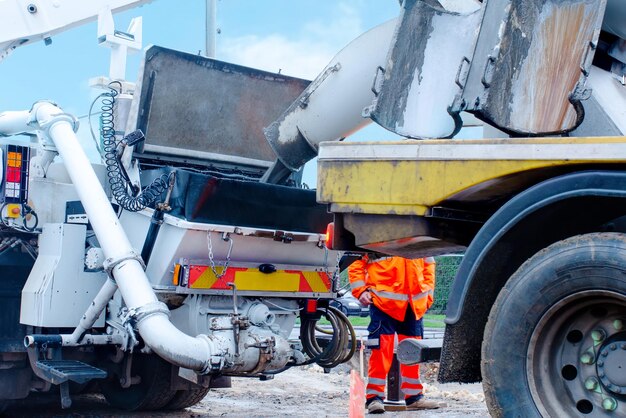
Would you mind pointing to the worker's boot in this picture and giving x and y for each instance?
(375, 406)
(422, 404)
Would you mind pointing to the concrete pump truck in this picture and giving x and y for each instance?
(538, 307)
(167, 268)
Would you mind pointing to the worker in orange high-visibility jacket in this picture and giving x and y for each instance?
(399, 291)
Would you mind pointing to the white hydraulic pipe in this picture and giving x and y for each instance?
(68, 341)
(14, 123)
(152, 317)
(93, 312)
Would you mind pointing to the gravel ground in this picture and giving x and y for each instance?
(296, 393)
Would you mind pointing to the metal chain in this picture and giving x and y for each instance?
(225, 237)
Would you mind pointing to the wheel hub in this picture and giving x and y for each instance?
(584, 336)
(611, 365)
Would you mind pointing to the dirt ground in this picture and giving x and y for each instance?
(299, 392)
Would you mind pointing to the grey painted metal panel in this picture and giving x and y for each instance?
(191, 104)
(180, 239)
(58, 290)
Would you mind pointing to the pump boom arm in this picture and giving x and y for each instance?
(27, 22)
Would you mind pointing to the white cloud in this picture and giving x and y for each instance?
(302, 55)
(345, 26)
(297, 57)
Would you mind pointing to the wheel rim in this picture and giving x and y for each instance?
(576, 359)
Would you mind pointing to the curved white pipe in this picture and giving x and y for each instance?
(14, 123)
(331, 107)
(610, 95)
(95, 309)
(154, 326)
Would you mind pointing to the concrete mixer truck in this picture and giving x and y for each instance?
(538, 306)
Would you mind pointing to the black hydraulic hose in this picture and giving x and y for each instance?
(336, 343)
(339, 349)
(151, 236)
(349, 353)
(342, 340)
(157, 220)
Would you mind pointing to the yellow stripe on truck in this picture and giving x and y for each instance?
(279, 281)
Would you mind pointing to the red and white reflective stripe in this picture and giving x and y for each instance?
(411, 391)
(411, 386)
(411, 380)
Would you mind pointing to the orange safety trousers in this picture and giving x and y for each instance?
(382, 330)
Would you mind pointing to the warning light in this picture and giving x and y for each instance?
(311, 306)
(176, 277)
(16, 174)
(330, 235)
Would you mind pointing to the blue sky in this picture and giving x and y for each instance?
(299, 37)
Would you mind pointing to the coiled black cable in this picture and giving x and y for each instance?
(119, 183)
(339, 349)
(342, 345)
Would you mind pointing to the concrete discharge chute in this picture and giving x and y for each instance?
(447, 57)
(330, 108)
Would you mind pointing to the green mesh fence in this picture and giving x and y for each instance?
(447, 267)
(344, 283)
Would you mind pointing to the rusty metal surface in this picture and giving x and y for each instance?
(530, 65)
(426, 68)
(192, 104)
(408, 236)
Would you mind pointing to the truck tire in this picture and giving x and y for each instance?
(186, 398)
(151, 393)
(555, 341)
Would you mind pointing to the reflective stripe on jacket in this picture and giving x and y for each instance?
(394, 282)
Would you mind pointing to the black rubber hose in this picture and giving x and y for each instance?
(339, 349)
(351, 331)
(153, 233)
(333, 347)
(340, 354)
